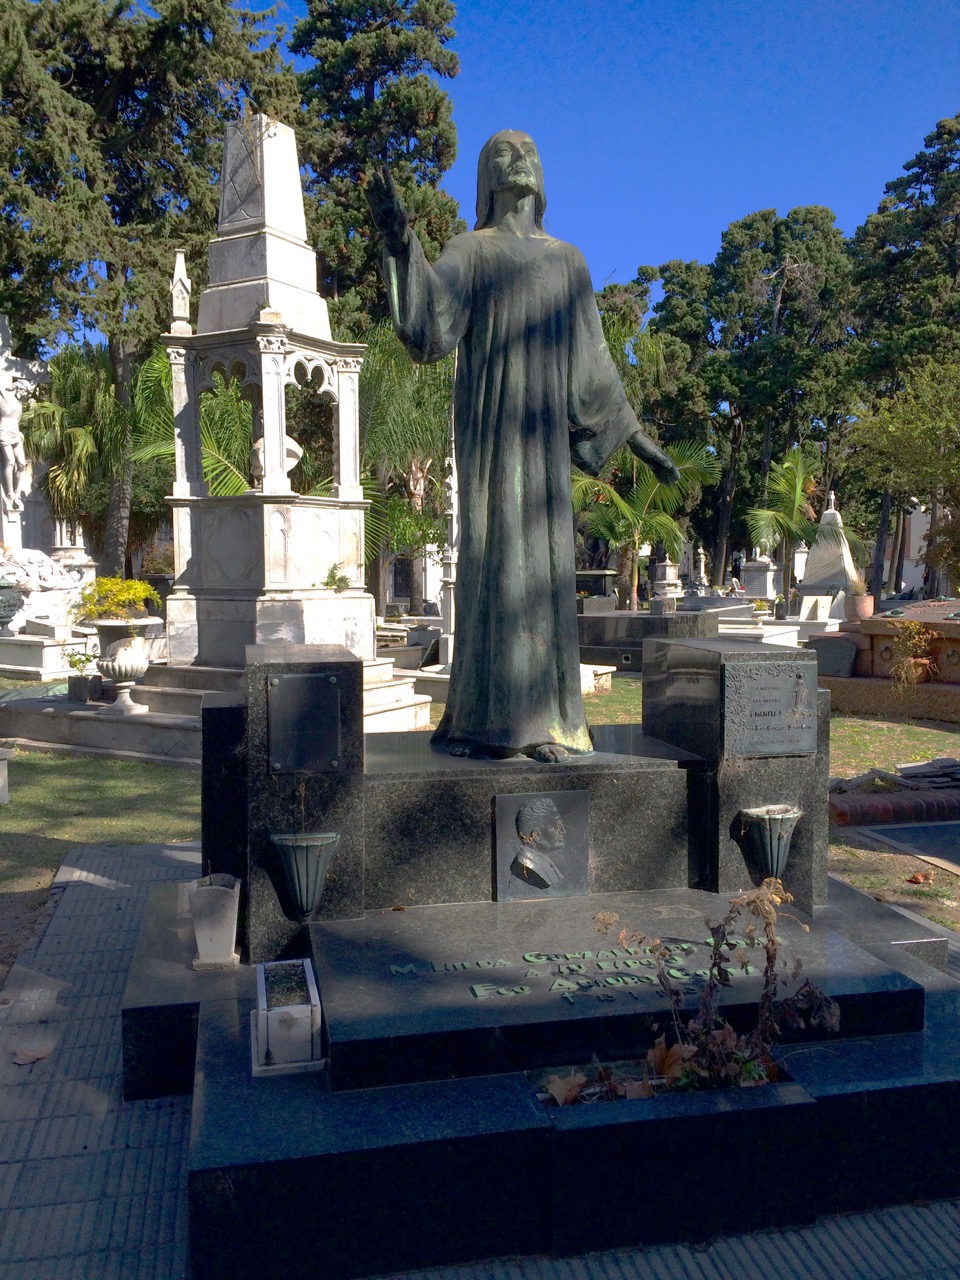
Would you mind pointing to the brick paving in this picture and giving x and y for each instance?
(92, 1188)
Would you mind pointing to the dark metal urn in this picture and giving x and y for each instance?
(306, 859)
(766, 832)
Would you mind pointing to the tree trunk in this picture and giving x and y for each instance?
(634, 580)
(624, 577)
(895, 552)
(901, 554)
(725, 502)
(883, 529)
(378, 578)
(416, 583)
(117, 528)
(933, 572)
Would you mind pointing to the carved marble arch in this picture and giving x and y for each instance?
(313, 373)
(242, 366)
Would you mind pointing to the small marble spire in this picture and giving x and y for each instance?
(180, 294)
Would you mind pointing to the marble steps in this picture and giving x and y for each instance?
(389, 700)
(169, 726)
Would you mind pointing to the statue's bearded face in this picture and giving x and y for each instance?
(509, 162)
(514, 164)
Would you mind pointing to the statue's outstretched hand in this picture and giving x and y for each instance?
(386, 208)
(662, 466)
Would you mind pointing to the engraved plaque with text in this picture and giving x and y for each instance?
(769, 709)
(303, 723)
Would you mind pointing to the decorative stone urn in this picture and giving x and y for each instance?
(766, 833)
(123, 658)
(306, 859)
(856, 608)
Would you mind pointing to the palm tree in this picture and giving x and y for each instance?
(226, 428)
(404, 438)
(790, 518)
(647, 512)
(80, 432)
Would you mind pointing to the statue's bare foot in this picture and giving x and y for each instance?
(550, 753)
(459, 749)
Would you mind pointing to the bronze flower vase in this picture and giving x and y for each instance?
(306, 859)
(765, 833)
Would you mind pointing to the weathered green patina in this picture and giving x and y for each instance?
(535, 389)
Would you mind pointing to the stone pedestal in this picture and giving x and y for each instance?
(758, 578)
(250, 569)
(304, 773)
(755, 715)
(666, 581)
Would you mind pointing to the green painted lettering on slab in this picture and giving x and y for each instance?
(561, 984)
(606, 964)
(399, 969)
(483, 990)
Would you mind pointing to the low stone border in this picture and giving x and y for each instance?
(863, 696)
(855, 809)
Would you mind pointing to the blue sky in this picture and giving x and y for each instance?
(659, 123)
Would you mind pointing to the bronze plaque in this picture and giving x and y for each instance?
(769, 709)
(542, 844)
(303, 723)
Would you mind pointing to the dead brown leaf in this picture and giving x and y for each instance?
(566, 1089)
(637, 1089)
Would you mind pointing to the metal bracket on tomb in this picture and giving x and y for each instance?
(303, 723)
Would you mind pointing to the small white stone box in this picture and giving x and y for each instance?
(285, 1030)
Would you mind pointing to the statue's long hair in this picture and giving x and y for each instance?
(485, 191)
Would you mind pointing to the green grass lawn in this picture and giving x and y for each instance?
(60, 801)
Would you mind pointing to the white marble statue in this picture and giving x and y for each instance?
(17, 379)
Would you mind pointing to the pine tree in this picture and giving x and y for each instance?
(111, 118)
(369, 98)
(907, 263)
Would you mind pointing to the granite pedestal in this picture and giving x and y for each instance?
(425, 1143)
(755, 717)
(616, 639)
(304, 773)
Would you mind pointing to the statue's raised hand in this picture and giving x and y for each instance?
(660, 463)
(386, 208)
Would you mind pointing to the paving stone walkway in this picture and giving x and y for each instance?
(92, 1188)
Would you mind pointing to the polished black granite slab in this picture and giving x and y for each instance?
(289, 1180)
(469, 989)
(401, 754)
(162, 999)
(616, 638)
(429, 818)
(304, 764)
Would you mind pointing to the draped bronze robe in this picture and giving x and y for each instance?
(535, 387)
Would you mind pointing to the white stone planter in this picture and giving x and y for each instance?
(123, 658)
(214, 906)
(285, 1032)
